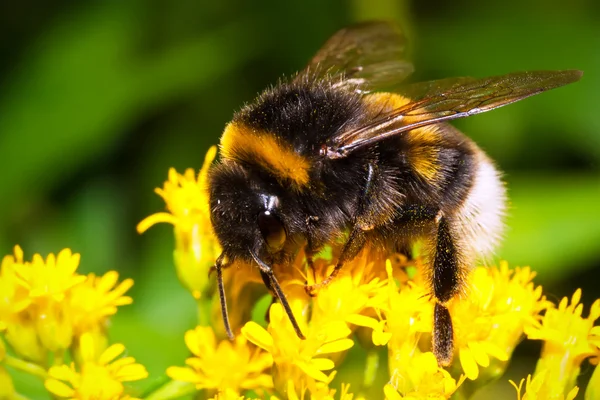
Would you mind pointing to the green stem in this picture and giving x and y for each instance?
(203, 305)
(25, 366)
(172, 390)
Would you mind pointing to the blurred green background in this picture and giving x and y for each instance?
(100, 98)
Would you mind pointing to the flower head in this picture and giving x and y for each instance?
(186, 198)
(97, 298)
(490, 321)
(44, 304)
(568, 340)
(224, 366)
(422, 379)
(302, 362)
(99, 376)
(49, 279)
(541, 387)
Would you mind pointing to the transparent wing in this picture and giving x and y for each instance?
(448, 99)
(368, 56)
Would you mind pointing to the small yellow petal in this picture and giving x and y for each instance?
(111, 353)
(468, 364)
(59, 388)
(258, 335)
(313, 372)
(322, 364)
(479, 353)
(61, 372)
(336, 346)
(363, 320)
(182, 374)
(154, 219)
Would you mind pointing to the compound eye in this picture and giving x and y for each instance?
(272, 230)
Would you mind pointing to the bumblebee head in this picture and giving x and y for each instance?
(250, 213)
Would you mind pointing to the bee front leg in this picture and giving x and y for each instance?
(356, 240)
(446, 279)
(353, 245)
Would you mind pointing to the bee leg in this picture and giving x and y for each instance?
(267, 282)
(355, 242)
(446, 282)
(276, 288)
(213, 269)
(219, 270)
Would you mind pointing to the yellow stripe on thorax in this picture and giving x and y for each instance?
(245, 144)
(422, 154)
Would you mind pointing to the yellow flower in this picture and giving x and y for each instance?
(542, 387)
(568, 340)
(36, 313)
(44, 303)
(354, 290)
(196, 248)
(95, 299)
(19, 328)
(236, 366)
(14, 298)
(49, 279)
(490, 320)
(299, 361)
(408, 313)
(98, 377)
(422, 379)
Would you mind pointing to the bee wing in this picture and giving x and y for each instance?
(447, 99)
(365, 56)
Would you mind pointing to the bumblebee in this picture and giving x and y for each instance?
(327, 154)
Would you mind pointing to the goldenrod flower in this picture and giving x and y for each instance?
(568, 340)
(223, 365)
(490, 320)
(408, 313)
(14, 298)
(196, 247)
(541, 387)
(97, 298)
(98, 377)
(302, 362)
(19, 328)
(45, 303)
(46, 283)
(355, 289)
(51, 278)
(422, 379)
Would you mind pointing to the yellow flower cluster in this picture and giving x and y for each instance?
(50, 313)
(378, 310)
(377, 301)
